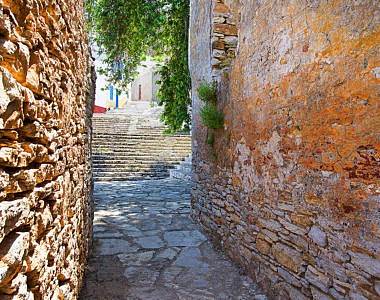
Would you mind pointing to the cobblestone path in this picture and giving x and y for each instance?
(147, 247)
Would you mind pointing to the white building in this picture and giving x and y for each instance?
(107, 95)
(144, 87)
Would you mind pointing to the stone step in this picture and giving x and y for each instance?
(125, 174)
(135, 146)
(141, 161)
(139, 136)
(138, 156)
(138, 148)
(149, 156)
(141, 141)
(142, 150)
(118, 162)
(117, 172)
(128, 126)
(118, 138)
(131, 178)
(133, 131)
(115, 141)
(134, 165)
(104, 154)
(183, 170)
(119, 122)
(145, 166)
(130, 171)
(154, 149)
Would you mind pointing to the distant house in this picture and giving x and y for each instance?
(144, 87)
(107, 95)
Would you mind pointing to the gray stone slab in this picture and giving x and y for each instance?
(168, 253)
(103, 235)
(155, 293)
(150, 242)
(136, 259)
(112, 246)
(141, 275)
(189, 257)
(184, 238)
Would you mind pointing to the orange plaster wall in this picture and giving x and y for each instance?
(300, 149)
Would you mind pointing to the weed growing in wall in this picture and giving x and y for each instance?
(211, 116)
(207, 92)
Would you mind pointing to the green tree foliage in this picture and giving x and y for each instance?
(126, 31)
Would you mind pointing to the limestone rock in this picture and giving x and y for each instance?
(225, 29)
(231, 41)
(263, 246)
(12, 252)
(4, 179)
(318, 236)
(12, 214)
(11, 114)
(287, 256)
(318, 279)
(366, 263)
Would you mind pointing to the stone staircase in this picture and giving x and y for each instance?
(183, 171)
(129, 144)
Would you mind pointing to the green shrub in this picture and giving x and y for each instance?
(211, 139)
(207, 92)
(211, 116)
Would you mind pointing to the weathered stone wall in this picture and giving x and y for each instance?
(46, 98)
(224, 36)
(293, 195)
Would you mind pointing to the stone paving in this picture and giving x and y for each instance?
(147, 247)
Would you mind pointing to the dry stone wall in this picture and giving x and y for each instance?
(293, 195)
(46, 98)
(224, 36)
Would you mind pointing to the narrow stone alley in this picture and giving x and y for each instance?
(145, 244)
(147, 247)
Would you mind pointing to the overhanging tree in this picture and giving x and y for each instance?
(128, 30)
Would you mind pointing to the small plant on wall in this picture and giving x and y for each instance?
(211, 116)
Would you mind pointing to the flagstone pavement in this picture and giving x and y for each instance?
(147, 247)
